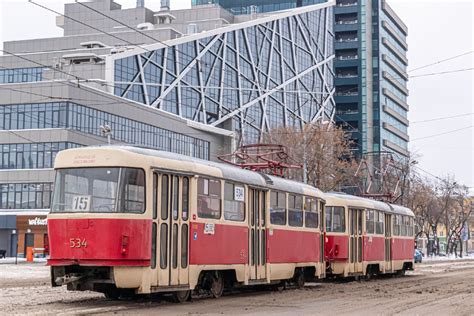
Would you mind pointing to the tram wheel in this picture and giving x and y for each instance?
(112, 294)
(401, 272)
(217, 284)
(181, 296)
(368, 275)
(299, 280)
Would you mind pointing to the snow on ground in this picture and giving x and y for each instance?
(13, 260)
(448, 258)
(11, 272)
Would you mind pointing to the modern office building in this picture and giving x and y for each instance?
(237, 7)
(371, 75)
(370, 68)
(193, 82)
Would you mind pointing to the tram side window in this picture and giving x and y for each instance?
(404, 226)
(278, 208)
(185, 198)
(379, 222)
(311, 215)
(411, 227)
(295, 210)
(396, 226)
(134, 190)
(335, 219)
(369, 222)
(209, 198)
(234, 202)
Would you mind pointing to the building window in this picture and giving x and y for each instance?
(25, 195)
(16, 75)
(209, 198)
(31, 155)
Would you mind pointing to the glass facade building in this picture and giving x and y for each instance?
(259, 6)
(370, 69)
(250, 77)
(371, 78)
(88, 120)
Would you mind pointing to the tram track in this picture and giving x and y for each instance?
(435, 288)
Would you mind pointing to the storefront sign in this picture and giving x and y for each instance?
(38, 221)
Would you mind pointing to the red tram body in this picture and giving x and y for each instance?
(365, 237)
(126, 220)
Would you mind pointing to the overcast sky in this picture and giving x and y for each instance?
(437, 30)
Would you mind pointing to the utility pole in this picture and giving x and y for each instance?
(305, 167)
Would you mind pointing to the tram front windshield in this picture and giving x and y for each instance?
(99, 190)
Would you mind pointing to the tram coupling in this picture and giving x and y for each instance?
(68, 278)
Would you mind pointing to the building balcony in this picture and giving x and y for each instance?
(347, 40)
(400, 55)
(349, 22)
(346, 3)
(395, 35)
(350, 57)
(338, 28)
(347, 112)
(346, 75)
(347, 93)
(396, 19)
(395, 99)
(346, 9)
(395, 82)
(346, 45)
(395, 115)
(394, 66)
(346, 81)
(392, 129)
(396, 148)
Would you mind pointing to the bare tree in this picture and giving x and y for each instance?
(325, 152)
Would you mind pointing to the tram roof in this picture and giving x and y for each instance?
(357, 201)
(228, 171)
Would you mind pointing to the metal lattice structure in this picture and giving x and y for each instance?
(269, 72)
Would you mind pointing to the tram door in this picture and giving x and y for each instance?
(257, 234)
(388, 242)
(172, 208)
(355, 240)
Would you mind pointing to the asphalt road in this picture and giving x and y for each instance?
(436, 288)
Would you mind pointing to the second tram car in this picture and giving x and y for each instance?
(131, 220)
(366, 237)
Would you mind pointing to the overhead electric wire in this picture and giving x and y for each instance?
(442, 118)
(442, 72)
(444, 133)
(441, 61)
(87, 25)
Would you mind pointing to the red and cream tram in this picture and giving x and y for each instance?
(130, 220)
(366, 237)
